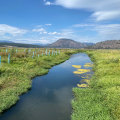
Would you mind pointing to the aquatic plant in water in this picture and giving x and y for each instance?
(88, 65)
(76, 66)
(82, 85)
(101, 101)
(81, 71)
(85, 81)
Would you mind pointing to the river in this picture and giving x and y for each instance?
(51, 94)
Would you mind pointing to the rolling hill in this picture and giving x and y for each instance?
(61, 43)
(67, 43)
(109, 44)
(10, 44)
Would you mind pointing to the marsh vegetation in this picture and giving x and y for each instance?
(97, 98)
(101, 100)
(24, 64)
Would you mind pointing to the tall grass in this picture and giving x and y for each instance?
(101, 101)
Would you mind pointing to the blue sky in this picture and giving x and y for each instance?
(42, 21)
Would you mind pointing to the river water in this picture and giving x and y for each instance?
(51, 94)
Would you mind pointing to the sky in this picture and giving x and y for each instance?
(45, 21)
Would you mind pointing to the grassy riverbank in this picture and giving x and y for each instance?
(101, 101)
(15, 78)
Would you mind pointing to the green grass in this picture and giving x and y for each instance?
(101, 101)
(16, 77)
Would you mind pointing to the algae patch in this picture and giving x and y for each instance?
(85, 77)
(82, 85)
(87, 65)
(76, 66)
(81, 71)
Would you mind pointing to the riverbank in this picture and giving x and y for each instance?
(15, 78)
(101, 101)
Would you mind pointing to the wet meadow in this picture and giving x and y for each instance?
(94, 99)
(19, 65)
(101, 99)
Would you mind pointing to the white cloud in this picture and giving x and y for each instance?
(48, 3)
(41, 40)
(54, 33)
(109, 31)
(14, 31)
(79, 32)
(67, 32)
(83, 25)
(40, 30)
(102, 9)
(105, 15)
(101, 31)
(43, 31)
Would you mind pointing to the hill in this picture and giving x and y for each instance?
(6, 41)
(61, 43)
(67, 43)
(109, 44)
(6, 44)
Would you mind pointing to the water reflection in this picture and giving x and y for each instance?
(51, 94)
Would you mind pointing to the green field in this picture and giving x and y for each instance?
(101, 100)
(15, 78)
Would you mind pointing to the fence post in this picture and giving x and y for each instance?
(6, 50)
(49, 52)
(33, 53)
(0, 60)
(29, 50)
(46, 51)
(9, 59)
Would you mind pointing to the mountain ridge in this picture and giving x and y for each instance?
(108, 44)
(61, 43)
(5, 44)
(67, 43)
